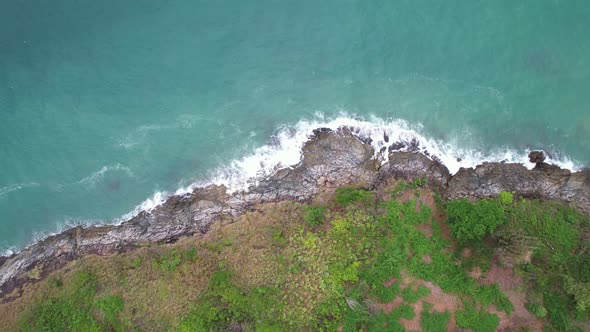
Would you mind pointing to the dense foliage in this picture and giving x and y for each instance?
(471, 221)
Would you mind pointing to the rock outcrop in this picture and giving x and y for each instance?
(544, 181)
(329, 159)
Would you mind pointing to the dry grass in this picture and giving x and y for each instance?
(155, 298)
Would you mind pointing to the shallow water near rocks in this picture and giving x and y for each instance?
(103, 104)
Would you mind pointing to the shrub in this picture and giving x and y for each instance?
(471, 221)
(136, 263)
(536, 309)
(412, 296)
(347, 195)
(580, 291)
(506, 198)
(434, 321)
(54, 282)
(169, 261)
(399, 188)
(224, 303)
(111, 306)
(189, 254)
(70, 310)
(387, 294)
(487, 295)
(404, 311)
(481, 321)
(419, 182)
(314, 215)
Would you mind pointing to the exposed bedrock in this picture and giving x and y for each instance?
(329, 159)
(544, 181)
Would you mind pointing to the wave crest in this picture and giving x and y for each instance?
(15, 187)
(285, 150)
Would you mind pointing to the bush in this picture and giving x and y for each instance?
(70, 310)
(536, 309)
(471, 221)
(387, 294)
(412, 296)
(190, 254)
(580, 291)
(111, 306)
(506, 198)
(224, 304)
(314, 215)
(434, 321)
(347, 195)
(169, 261)
(404, 311)
(419, 182)
(481, 321)
(492, 295)
(399, 188)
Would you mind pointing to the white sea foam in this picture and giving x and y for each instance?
(15, 187)
(286, 151)
(66, 223)
(9, 251)
(99, 174)
(157, 199)
(286, 147)
(288, 142)
(136, 136)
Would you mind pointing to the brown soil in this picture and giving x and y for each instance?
(511, 284)
(426, 229)
(476, 273)
(466, 253)
(439, 300)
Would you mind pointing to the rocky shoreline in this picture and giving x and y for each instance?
(330, 159)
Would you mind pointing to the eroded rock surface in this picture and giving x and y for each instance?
(330, 159)
(410, 165)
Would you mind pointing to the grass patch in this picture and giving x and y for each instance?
(412, 296)
(434, 321)
(348, 195)
(75, 307)
(471, 221)
(314, 215)
(478, 321)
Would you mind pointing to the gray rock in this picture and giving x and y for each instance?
(536, 157)
(410, 166)
(330, 159)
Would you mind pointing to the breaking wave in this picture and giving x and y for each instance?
(285, 150)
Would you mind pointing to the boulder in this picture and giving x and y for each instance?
(536, 157)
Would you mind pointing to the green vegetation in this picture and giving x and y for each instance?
(471, 221)
(506, 198)
(348, 195)
(225, 303)
(434, 321)
(478, 321)
(419, 182)
(169, 261)
(412, 296)
(73, 308)
(354, 263)
(536, 309)
(314, 215)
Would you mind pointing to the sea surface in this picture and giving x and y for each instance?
(107, 107)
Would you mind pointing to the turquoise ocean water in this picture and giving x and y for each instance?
(104, 103)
